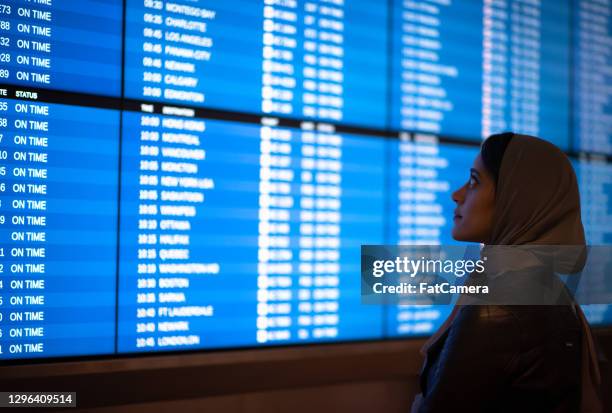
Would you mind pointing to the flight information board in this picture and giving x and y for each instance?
(59, 155)
(593, 74)
(241, 234)
(473, 68)
(192, 174)
(595, 181)
(313, 60)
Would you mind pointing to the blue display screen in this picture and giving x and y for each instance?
(62, 45)
(256, 250)
(313, 60)
(595, 182)
(592, 75)
(469, 69)
(196, 174)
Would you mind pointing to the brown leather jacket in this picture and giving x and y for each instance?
(496, 358)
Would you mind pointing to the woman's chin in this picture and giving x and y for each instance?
(459, 235)
(456, 233)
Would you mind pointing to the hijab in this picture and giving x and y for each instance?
(538, 203)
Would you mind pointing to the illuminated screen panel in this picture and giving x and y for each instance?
(63, 45)
(58, 211)
(190, 174)
(595, 182)
(239, 234)
(593, 74)
(470, 69)
(58, 177)
(313, 60)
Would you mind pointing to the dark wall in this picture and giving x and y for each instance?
(370, 397)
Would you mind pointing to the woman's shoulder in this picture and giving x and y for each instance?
(519, 316)
(524, 326)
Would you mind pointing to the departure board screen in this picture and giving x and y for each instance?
(196, 174)
(593, 74)
(595, 181)
(313, 60)
(471, 68)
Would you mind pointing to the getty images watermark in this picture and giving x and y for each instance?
(504, 275)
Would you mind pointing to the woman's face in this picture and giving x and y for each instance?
(473, 218)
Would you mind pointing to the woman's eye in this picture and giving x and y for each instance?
(472, 182)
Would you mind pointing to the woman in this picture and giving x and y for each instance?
(522, 191)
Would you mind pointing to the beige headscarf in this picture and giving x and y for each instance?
(538, 203)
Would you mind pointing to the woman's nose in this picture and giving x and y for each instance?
(458, 195)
